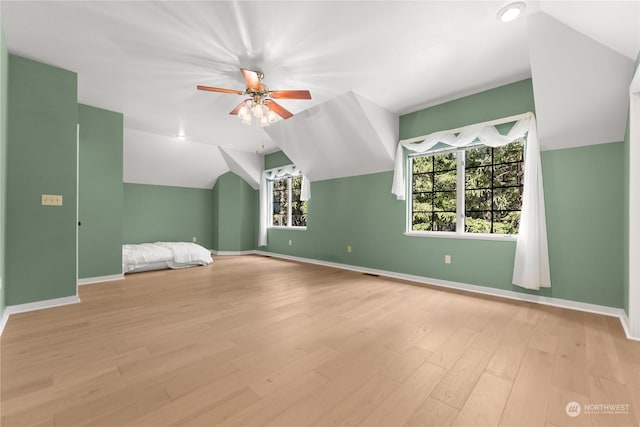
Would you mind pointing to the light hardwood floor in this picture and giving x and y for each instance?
(257, 341)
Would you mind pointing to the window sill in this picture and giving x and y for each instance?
(471, 236)
(278, 227)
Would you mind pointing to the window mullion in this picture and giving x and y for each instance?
(270, 200)
(460, 208)
(433, 192)
(289, 199)
(409, 191)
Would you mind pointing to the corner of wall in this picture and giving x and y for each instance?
(4, 58)
(234, 214)
(42, 110)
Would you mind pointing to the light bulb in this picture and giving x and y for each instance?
(510, 11)
(264, 121)
(272, 116)
(257, 111)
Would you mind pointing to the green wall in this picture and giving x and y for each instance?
(493, 104)
(100, 190)
(235, 214)
(361, 211)
(276, 160)
(584, 194)
(215, 196)
(42, 146)
(154, 213)
(4, 73)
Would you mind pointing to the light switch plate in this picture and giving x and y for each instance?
(51, 200)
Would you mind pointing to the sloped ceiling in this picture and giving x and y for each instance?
(157, 159)
(249, 166)
(581, 86)
(338, 138)
(144, 59)
(611, 23)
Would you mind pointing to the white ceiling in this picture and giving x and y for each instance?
(581, 87)
(144, 59)
(345, 136)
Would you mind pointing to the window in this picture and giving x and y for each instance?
(434, 192)
(472, 190)
(287, 210)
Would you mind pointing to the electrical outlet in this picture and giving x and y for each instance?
(349, 249)
(51, 200)
(290, 243)
(194, 239)
(447, 259)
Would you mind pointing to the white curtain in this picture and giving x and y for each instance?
(531, 267)
(470, 135)
(270, 175)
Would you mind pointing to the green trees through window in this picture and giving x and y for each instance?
(280, 202)
(434, 192)
(491, 180)
(287, 208)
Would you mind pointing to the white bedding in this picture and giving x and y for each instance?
(154, 256)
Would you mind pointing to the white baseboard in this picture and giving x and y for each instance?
(100, 279)
(3, 320)
(32, 306)
(502, 293)
(223, 253)
(626, 325)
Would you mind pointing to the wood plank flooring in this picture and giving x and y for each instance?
(252, 340)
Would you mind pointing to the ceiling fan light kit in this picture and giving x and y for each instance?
(260, 103)
(259, 110)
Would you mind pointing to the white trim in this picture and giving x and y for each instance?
(288, 228)
(100, 279)
(33, 306)
(225, 253)
(40, 305)
(4, 320)
(518, 296)
(624, 319)
(77, 204)
(634, 206)
(452, 235)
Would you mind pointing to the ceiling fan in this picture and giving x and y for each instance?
(261, 100)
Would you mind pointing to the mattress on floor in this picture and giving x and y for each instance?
(160, 255)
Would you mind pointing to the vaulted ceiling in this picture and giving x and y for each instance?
(144, 59)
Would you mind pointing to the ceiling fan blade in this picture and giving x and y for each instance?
(237, 109)
(217, 89)
(251, 78)
(291, 94)
(278, 109)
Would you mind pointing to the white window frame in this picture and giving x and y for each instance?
(460, 233)
(289, 195)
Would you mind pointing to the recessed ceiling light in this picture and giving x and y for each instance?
(510, 11)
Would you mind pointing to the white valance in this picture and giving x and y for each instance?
(270, 175)
(531, 267)
(482, 133)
